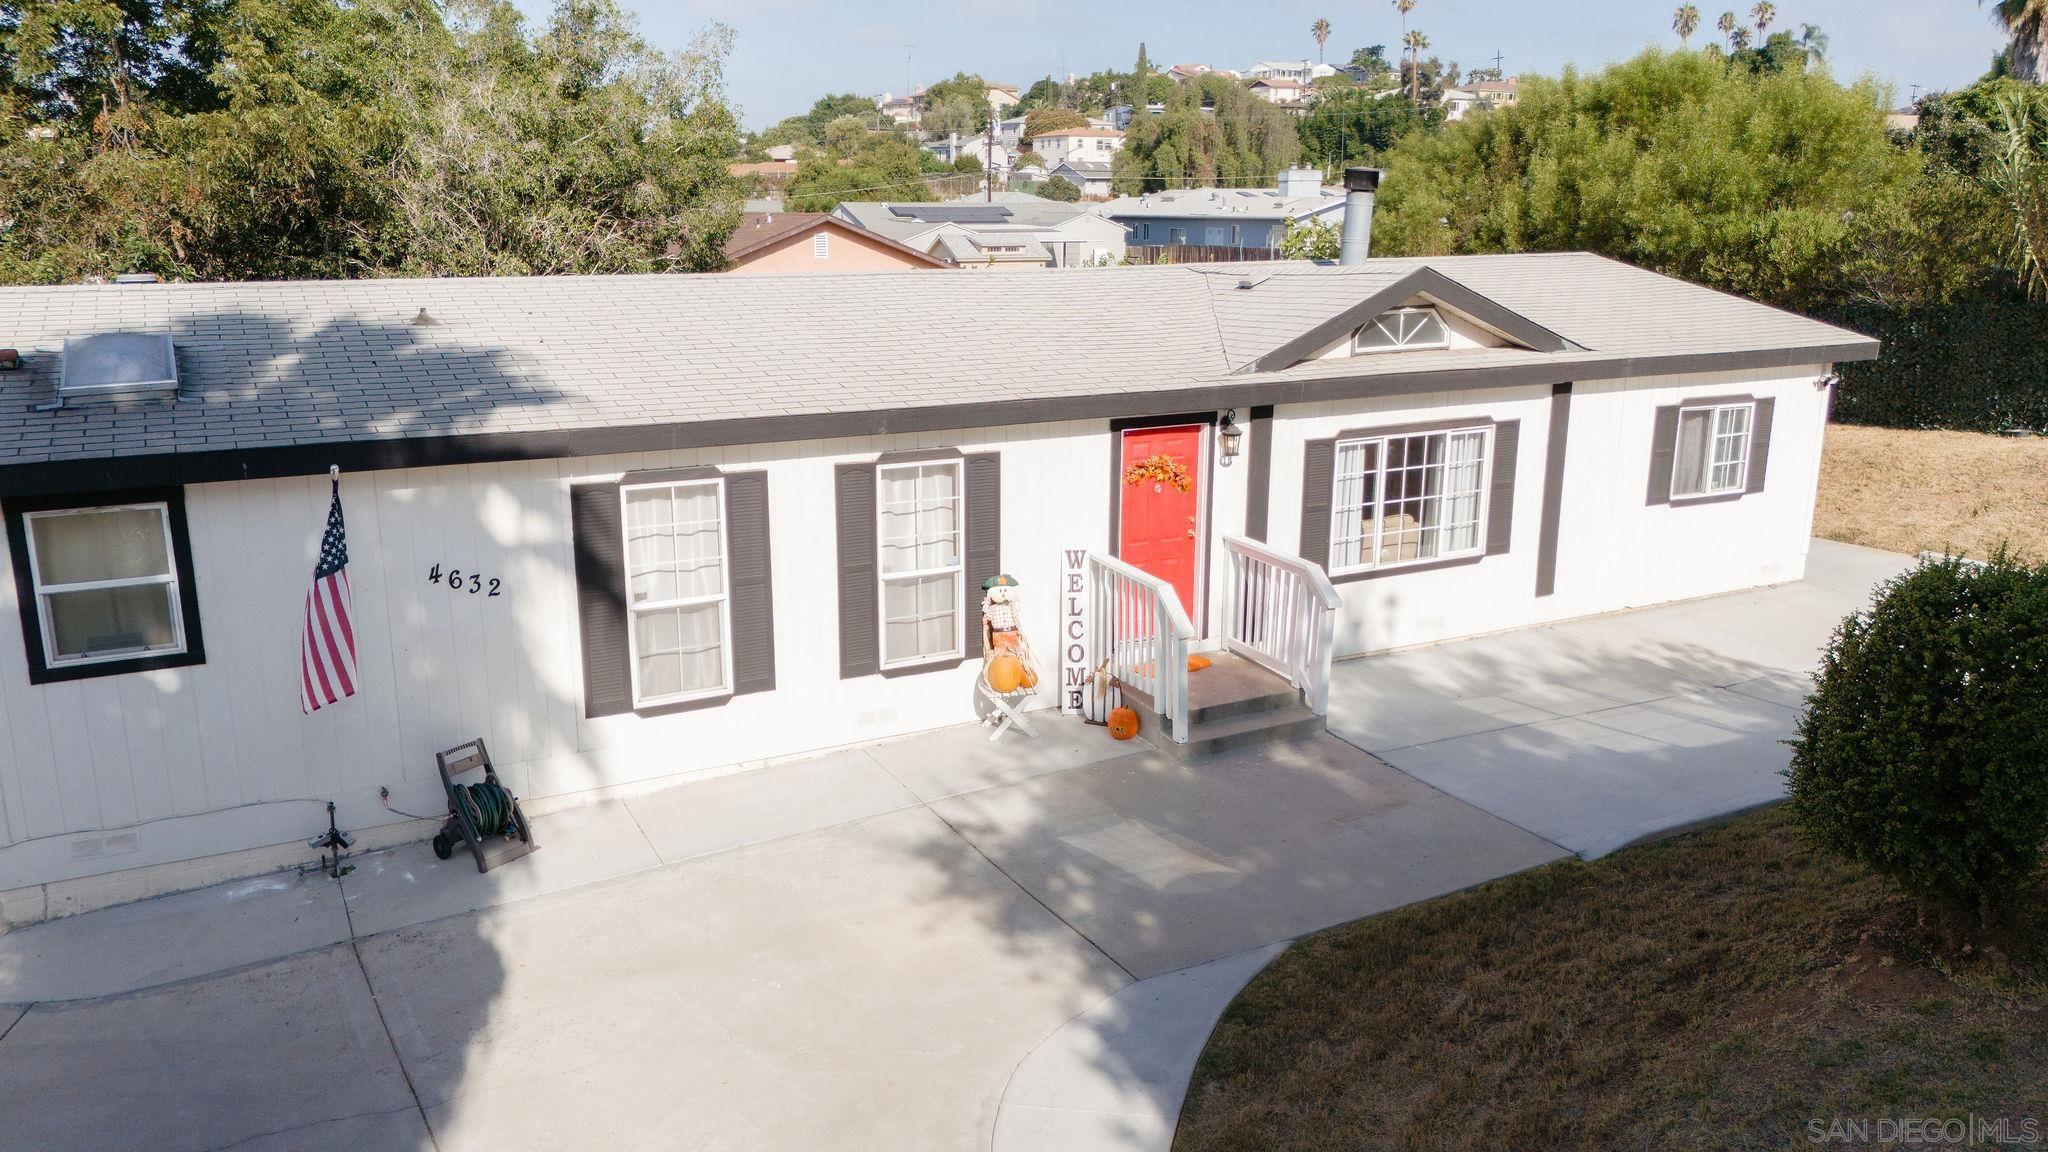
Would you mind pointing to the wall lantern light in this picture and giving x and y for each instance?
(1229, 436)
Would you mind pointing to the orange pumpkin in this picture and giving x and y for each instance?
(1197, 663)
(1030, 677)
(1005, 673)
(1123, 723)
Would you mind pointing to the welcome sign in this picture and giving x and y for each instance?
(1073, 588)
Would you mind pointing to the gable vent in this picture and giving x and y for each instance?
(118, 366)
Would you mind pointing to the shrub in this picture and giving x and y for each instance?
(1923, 751)
(1060, 188)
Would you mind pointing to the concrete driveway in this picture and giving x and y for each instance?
(1597, 732)
(854, 952)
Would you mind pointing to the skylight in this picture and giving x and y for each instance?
(118, 365)
(1403, 330)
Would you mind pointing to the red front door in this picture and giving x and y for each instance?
(1158, 523)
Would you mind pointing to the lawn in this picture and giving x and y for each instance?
(1719, 990)
(1905, 491)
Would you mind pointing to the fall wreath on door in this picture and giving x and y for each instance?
(1160, 469)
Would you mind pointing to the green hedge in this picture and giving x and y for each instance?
(1978, 365)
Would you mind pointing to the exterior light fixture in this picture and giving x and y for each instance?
(1228, 437)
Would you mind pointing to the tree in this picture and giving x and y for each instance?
(1685, 22)
(2026, 21)
(2021, 179)
(845, 135)
(1763, 14)
(1372, 65)
(276, 139)
(1060, 188)
(1728, 26)
(1311, 240)
(1211, 131)
(1415, 42)
(1404, 7)
(1814, 43)
(1355, 126)
(1748, 182)
(1923, 751)
(962, 103)
(1321, 31)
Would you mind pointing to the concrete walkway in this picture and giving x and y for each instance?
(931, 943)
(1596, 733)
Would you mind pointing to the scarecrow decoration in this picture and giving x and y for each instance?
(1008, 677)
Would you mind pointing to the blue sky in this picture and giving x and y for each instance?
(788, 52)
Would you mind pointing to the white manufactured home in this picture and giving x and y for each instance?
(631, 529)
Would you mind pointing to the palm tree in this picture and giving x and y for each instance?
(1415, 42)
(1321, 31)
(1814, 43)
(1763, 14)
(2026, 21)
(1727, 25)
(1685, 22)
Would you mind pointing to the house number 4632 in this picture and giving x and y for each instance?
(474, 583)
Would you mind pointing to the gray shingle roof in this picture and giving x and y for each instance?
(331, 362)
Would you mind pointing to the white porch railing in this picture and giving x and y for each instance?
(1279, 613)
(1136, 625)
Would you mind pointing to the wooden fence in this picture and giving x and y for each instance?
(1196, 253)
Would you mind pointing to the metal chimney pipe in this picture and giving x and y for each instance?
(1361, 186)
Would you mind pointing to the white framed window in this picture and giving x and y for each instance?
(106, 583)
(1403, 329)
(821, 246)
(678, 590)
(1712, 453)
(1408, 499)
(920, 533)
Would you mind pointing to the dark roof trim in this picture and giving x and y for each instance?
(223, 465)
(813, 220)
(1421, 282)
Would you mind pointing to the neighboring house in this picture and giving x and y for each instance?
(1010, 132)
(1185, 72)
(771, 244)
(631, 529)
(998, 161)
(782, 151)
(1015, 229)
(1280, 90)
(1905, 119)
(1002, 98)
(1461, 101)
(772, 174)
(1092, 177)
(902, 109)
(1228, 217)
(1302, 72)
(1077, 144)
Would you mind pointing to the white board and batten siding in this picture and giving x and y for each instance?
(1615, 550)
(145, 768)
(149, 768)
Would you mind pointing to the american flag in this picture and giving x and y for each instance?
(327, 651)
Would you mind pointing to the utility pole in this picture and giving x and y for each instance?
(988, 165)
(1497, 58)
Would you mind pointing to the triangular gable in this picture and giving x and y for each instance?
(1422, 282)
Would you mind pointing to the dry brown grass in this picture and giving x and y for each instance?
(1906, 491)
(1715, 991)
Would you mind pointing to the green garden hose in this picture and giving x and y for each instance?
(488, 806)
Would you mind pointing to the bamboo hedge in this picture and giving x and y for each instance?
(1976, 365)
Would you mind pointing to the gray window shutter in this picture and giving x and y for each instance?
(752, 594)
(599, 543)
(1663, 452)
(1500, 507)
(1259, 486)
(984, 535)
(860, 647)
(1318, 482)
(1760, 444)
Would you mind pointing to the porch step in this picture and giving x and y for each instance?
(1231, 704)
(1290, 721)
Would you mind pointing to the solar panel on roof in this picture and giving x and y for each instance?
(952, 213)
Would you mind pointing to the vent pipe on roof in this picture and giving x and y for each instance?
(1361, 186)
